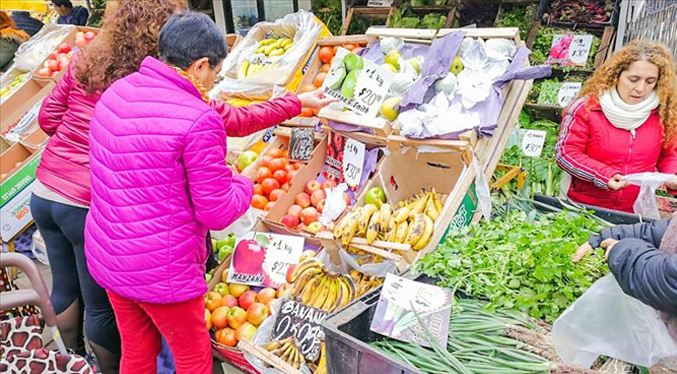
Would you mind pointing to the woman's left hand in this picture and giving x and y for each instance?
(608, 245)
(315, 99)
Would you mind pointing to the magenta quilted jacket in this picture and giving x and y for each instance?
(159, 182)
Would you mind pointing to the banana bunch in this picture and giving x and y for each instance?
(255, 67)
(322, 363)
(314, 285)
(287, 350)
(274, 47)
(369, 259)
(368, 221)
(365, 283)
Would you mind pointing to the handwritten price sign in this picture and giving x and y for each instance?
(568, 93)
(360, 84)
(353, 160)
(532, 143)
(302, 322)
(570, 50)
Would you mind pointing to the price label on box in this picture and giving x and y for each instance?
(262, 259)
(302, 322)
(353, 160)
(568, 93)
(532, 143)
(570, 50)
(360, 84)
(379, 3)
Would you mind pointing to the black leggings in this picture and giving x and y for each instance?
(63, 229)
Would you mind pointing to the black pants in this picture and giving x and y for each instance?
(63, 229)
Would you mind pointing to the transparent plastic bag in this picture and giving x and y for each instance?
(241, 227)
(482, 189)
(646, 204)
(301, 26)
(31, 53)
(39, 248)
(606, 321)
(375, 270)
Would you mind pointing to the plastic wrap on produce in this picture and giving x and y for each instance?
(11, 81)
(373, 270)
(251, 74)
(646, 204)
(31, 53)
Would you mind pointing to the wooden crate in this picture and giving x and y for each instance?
(450, 9)
(608, 35)
(366, 12)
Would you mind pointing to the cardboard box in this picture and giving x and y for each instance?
(17, 166)
(29, 95)
(403, 174)
(70, 40)
(4, 145)
(35, 140)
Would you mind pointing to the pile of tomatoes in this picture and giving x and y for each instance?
(326, 56)
(274, 178)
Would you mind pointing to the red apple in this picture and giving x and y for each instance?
(312, 186)
(290, 221)
(247, 299)
(309, 215)
(44, 72)
(302, 227)
(237, 289)
(63, 61)
(226, 337)
(317, 196)
(320, 205)
(220, 317)
(295, 210)
(257, 313)
(213, 300)
(54, 55)
(290, 271)
(64, 48)
(89, 36)
(80, 42)
(266, 295)
(302, 200)
(222, 289)
(80, 34)
(328, 183)
(230, 301)
(246, 331)
(282, 290)
(54, 65)
(248, 257)
(236, 317)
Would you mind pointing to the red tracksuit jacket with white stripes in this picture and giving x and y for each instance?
(593, 150)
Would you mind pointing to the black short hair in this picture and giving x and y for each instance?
(66, 3)
(190, 36)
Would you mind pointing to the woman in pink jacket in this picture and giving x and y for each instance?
(159, 184)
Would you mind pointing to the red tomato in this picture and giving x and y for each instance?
(265, 160)
(280, 176)
(275, 195)
(291, 174)
(257, 189)
(288, 168)
(270, 184)
(278, 164)
(264, 173)
(259, 202)
(285, 187)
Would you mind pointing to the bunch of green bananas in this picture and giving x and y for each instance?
(287, 350)
(274, 47)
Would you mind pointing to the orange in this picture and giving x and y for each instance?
(259, 202)
(319, 79)
(326, 54)
(308, 88)
(325, 68)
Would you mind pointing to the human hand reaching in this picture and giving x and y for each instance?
(315, 99)
(617, 182)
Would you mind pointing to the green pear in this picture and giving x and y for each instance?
(456, 66)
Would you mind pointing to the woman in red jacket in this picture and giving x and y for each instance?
(624, 122)
(61, 194)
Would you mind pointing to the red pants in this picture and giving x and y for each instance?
(181, 324)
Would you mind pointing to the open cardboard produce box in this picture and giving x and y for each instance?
(17, 174)
(70, 40)
(312, 171)
(21, 101)
(401, 175)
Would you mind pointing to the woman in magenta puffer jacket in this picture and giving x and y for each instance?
(160, 182)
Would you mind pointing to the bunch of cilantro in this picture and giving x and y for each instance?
(520, 261)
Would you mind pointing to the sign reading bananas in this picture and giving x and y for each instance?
(360, 84)
(302, 322)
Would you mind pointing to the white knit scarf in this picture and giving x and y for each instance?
(627, 116)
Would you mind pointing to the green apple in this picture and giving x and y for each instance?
(208, 277)
(353, 62)
(388, 108)
(245, 159)
(335, 76)
(375, 196)
(215, 245)
(393, 58)
(456, 66)
(224, 252)
(348, 88)
(389, 68)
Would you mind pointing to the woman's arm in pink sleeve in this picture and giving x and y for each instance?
(256, 117)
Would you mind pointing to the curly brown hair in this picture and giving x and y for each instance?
(606, 78)
(130, 33)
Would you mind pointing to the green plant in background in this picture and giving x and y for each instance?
(97, 9)
(404, 17)
(329, 11)
(521, 17)
(543, 42)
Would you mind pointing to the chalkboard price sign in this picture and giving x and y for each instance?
(301, 144)
(302, 322)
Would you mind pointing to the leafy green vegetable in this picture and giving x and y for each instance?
(521, 17)
(519, 261)
(404, 16)
(329, 11)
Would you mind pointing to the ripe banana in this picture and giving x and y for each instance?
(416, 229)
(401, 215)
(312, 265)
(437, 201)
(386, 213)
(322, 364)
(390, 231)
(401, 232)
(308, 289)
(344, 294)
(367, 211)
(374, 227)
(350, 230)
(329, 303)
(243, 70)
(427, 234)
(321, 294)
(430, 209)
(420, 204)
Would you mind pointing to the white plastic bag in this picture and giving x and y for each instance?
(39, 248)
(482, 189)
(606, 321)
(646, 205)
(334, 205)
(241, 227)
(31, 53)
